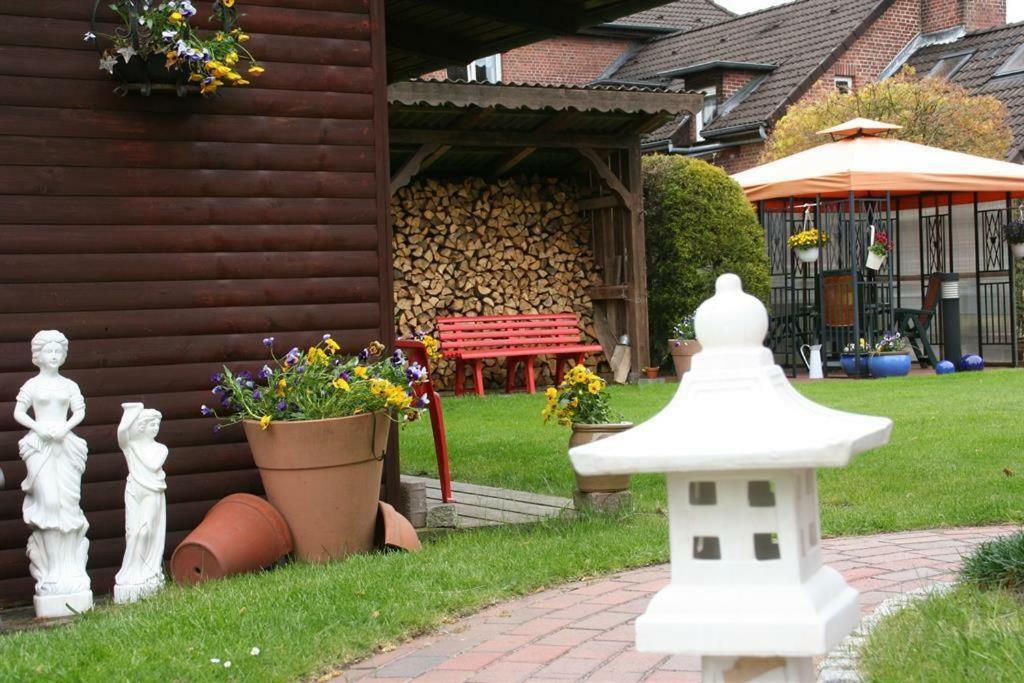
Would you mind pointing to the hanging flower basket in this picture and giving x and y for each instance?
(807, 255)
(155, 48)
(807, 244)
(879, 249)
(1017, 249)
(1014, 233)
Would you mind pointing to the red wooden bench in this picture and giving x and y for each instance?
(517, 338)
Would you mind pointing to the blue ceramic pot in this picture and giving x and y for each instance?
(852, 367)
(889, 364)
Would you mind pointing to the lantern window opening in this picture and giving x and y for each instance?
(761, 494)
(706, 548)
(766, 546)
(703, 493)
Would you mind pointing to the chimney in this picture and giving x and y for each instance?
(974, 15)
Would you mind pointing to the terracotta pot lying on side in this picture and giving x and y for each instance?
(603, 483)
(683, 354)
(324, 477)
(241, 533)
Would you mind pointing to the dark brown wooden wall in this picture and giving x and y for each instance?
(165, 236)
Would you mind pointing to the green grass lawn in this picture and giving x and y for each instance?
(953, 438)
(967, 635)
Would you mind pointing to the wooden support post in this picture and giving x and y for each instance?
(636, 264)
(412, 166)
(608, 176)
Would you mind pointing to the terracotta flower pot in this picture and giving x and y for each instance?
(241, 533)
(683, 351)
(609, 483)
(651, 373)
(324, 477)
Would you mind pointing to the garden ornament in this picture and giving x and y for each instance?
(972, 363)
(55, 460)
(945, 367)
(145, 504)
(813, 360)
(748, 591)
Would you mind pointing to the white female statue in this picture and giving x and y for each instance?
(55, 460)
(145, 505)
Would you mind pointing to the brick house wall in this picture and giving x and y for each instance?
(738, 159)
(567, 60)
(974, 14)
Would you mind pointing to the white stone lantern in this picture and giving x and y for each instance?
(739, 447)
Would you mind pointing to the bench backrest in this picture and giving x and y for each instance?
(480, 333)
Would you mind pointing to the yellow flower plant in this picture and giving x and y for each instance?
(807, 239)
(579, 399)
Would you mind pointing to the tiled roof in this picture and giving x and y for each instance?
(800, 39)
(991, 48)
(684, 15)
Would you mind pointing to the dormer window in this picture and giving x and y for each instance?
(947, 66)
(1013, 65)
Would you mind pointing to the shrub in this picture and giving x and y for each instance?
(699, 225)
(932, 112)
(998, 563)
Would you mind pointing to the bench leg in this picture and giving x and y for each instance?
(460, 377)
(560, 363)
(478, 376)
(531, 384)
(440, 445)
(510, 374)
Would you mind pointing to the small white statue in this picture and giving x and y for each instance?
(145, 504)
(55, 460)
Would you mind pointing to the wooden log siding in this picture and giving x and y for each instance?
(166, 236)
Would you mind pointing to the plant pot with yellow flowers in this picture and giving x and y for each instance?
(155, 48)
(318, 422)
(581, 402)
(807, 244)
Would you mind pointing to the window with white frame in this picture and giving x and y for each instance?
(485, 69)
(707, 112)
(844, 84)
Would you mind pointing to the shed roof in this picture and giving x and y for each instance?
(423, 35)
(481, 127)
(682, 15)
(989, 49)
(801, 40)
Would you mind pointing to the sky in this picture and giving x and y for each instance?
(1014, 8)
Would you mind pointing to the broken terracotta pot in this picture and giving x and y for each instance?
(241, 533)
(395, 532)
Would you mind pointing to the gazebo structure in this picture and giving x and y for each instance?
(944, 212)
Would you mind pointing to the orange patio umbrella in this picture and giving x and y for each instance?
(861, 161)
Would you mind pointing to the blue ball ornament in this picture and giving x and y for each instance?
(945, 367)
(974, 363)
(962, 363)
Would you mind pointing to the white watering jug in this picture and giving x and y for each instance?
(813, 361)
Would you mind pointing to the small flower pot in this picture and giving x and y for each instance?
(651, 373)
(609, 483)
(874, 261)
(324, 477)
(241, 533)
(1017, 249)
(889, 364)
(809, 255)
(683, 351)
(854, 366)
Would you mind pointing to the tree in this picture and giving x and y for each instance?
(932, 111)
(699, 225)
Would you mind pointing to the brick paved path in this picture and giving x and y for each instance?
(584, 630)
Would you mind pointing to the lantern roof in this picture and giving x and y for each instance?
(734, 409)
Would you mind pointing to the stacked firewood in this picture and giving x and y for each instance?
(473, 247)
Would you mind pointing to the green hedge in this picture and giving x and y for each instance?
(699, 225)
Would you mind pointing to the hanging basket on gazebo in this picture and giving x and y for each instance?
(879, 249)
(807, 243)
(1014, 232)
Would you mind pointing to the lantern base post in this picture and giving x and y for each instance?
(757, 669)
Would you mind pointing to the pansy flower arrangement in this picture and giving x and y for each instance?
(164, 29)
(431, 343)
(320, 383)
(579, 399)
(684, 330)
(891, 342)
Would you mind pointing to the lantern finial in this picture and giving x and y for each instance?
(731, 318)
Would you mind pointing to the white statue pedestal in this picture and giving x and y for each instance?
(54, 606)
(134, 592)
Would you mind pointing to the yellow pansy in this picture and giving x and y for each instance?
(242, 37)
(241, 81)
(360, 371)
(256, 70)
(341, 384)
(231, 58)
(175, 18)
(228, 3)
(594, 387)
(330, 343)
(551, 393)
(281, 385)
(264, 422)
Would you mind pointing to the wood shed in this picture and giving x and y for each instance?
(167, 236)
